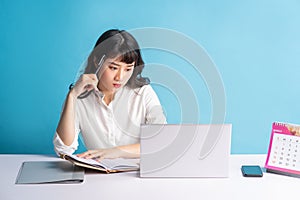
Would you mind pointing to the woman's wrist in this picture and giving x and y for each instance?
(72, 94)
(130, 151)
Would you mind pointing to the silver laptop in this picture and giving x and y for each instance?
(185, 150)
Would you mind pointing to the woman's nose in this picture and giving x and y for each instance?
(119, 75)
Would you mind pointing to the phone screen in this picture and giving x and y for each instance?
(252, 171)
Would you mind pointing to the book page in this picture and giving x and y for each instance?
(120, 163)
(117, 163)
(84, 160)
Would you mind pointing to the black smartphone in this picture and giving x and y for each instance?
(251, 171)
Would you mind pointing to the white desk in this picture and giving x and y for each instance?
(130, 186)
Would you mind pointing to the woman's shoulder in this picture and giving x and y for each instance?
(145, 89)
(89, 100)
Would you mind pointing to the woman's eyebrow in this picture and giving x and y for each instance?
(113, 63)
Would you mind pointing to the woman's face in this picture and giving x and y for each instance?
(114, 75)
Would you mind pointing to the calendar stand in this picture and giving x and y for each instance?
(284, 150)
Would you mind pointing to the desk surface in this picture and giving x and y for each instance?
(129, 185)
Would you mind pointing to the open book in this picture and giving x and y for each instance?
(106, 165)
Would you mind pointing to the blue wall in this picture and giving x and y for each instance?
(254, 44)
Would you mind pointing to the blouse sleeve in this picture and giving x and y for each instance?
(154, 111)
(60, 147)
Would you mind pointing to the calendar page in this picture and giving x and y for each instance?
(284, 149)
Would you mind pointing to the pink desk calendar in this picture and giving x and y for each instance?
(284, 149)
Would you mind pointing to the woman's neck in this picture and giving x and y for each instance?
(108, 97)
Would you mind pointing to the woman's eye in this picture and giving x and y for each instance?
(112, 68)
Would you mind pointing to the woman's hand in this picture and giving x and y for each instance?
(100, 154)
(86, 82)
(127, 151)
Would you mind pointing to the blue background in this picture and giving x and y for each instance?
(254, 44)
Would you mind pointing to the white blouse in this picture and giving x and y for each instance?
(105, 126)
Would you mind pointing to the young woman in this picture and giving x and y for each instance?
(109, 102)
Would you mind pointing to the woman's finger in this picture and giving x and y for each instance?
(91, 81)
(85, 154)
(95, 154)
(86, 82)
(99, 159)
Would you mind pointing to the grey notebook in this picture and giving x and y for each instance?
(37, 172)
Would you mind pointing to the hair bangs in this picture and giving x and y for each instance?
(128, 57)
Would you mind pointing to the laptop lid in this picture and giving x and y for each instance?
(185, 150)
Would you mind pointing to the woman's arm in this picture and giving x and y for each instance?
(130, 151)
(66, 125)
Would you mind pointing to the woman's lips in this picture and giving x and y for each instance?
(117, 85)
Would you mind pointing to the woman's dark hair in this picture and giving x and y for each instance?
(119, 44)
